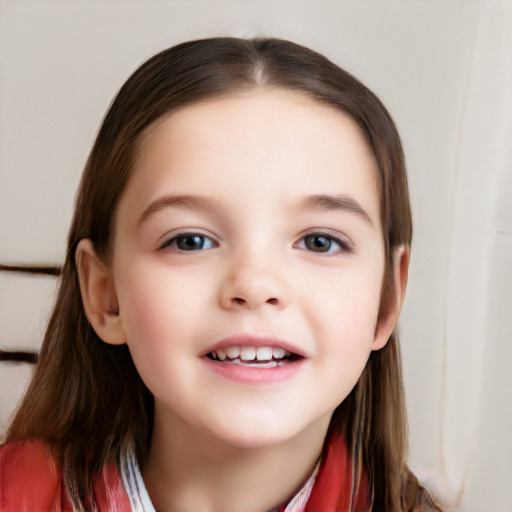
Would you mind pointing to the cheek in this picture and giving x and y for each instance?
(345, 325)
(153, 300)
(160, 311)
(153, 315)
(348, 304)
(347, 346)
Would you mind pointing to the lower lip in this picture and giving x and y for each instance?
(251, 375)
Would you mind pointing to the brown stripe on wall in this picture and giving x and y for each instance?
(18, 357)
(31, 269)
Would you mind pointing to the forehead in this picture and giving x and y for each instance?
(264, 139)
(255, 112)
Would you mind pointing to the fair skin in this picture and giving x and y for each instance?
(245, 278)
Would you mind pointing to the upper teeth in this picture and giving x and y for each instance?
(251, 353)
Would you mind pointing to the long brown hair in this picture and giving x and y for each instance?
(86, 398)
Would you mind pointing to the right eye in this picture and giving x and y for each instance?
(189, 242)
(325, 243)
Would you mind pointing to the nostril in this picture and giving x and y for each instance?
(249, 302)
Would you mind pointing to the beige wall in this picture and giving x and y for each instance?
(444, 70)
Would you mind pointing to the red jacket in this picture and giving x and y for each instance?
(31, 481)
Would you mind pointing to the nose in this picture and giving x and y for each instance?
(253, 282)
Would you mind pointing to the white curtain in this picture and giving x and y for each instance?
(465, 433)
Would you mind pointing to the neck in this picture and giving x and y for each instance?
(191, 470)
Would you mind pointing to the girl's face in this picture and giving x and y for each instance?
(247, 265)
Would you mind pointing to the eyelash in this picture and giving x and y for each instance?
(343, 245)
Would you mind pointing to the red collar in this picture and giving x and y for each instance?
(333, 485)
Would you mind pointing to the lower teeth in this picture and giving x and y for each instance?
(259, 364)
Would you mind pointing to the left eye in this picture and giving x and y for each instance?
(190, 242)
(322, 243)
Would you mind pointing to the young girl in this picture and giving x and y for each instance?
(223, 337)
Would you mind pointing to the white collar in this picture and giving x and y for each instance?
(141, 502)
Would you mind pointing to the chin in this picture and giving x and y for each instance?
(258, 434)
(255, 440)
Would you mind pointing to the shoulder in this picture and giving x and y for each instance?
(30, 478)
(416, 497)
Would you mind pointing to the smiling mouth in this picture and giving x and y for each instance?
(256, 357)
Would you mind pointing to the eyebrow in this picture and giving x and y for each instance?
(181, 201)
(310, 203)
(334, 202)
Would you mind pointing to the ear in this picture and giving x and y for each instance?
(387, 322)
(98, 294)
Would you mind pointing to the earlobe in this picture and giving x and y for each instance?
(98, 294)
(387, 322)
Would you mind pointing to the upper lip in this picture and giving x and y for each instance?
(247, 340)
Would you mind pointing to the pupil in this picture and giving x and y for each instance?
(190, 243)
(318, 243)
